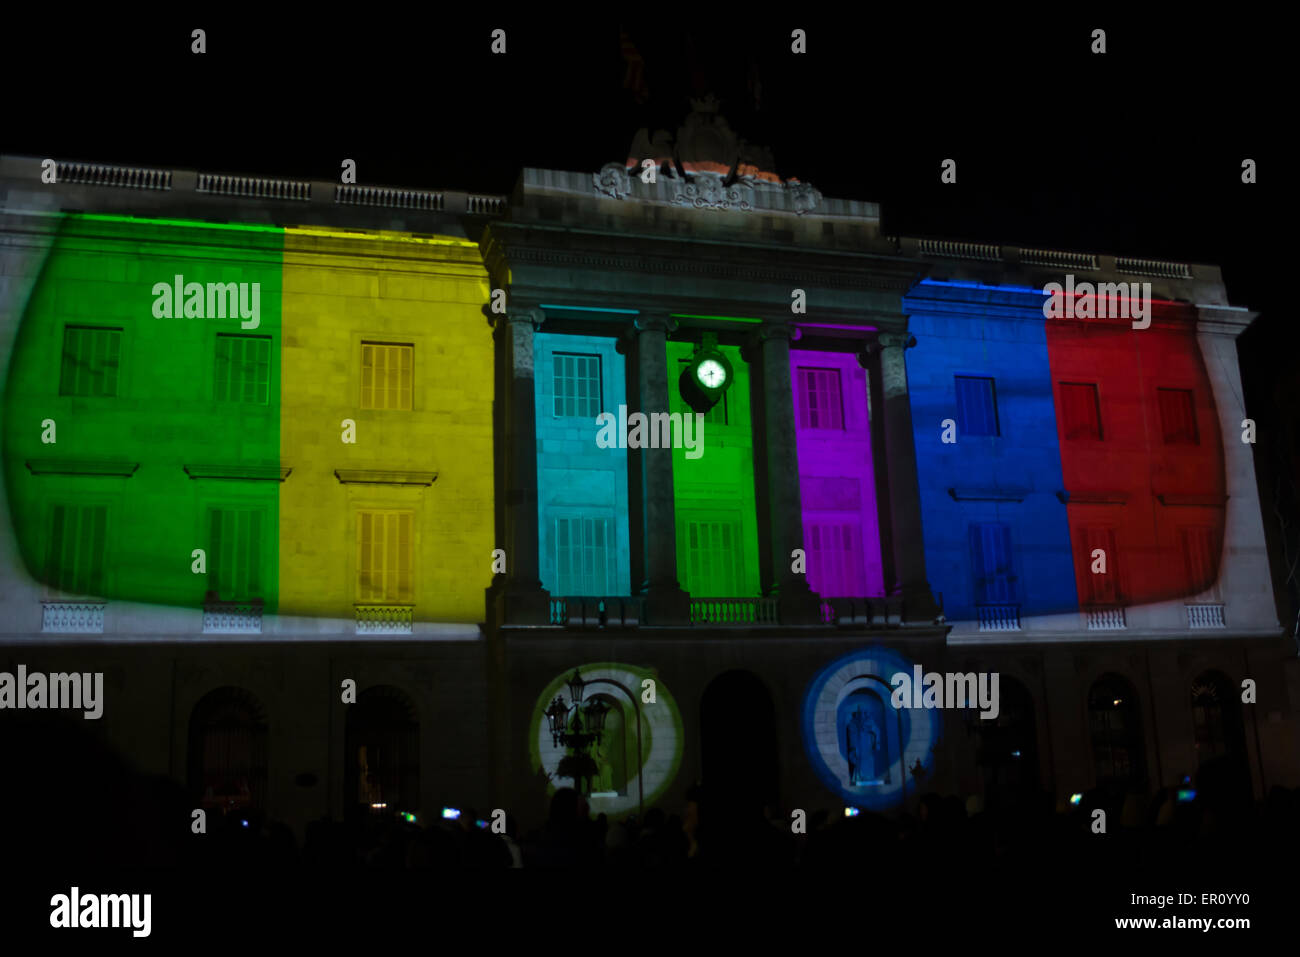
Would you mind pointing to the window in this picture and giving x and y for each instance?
(715, 416)
(90, 361)
(821, 405)
(1080, 411)
(77, 542)
(1101, 587)
(1178, 416)
(387, 375)
(243, 372)
(977, 410)
(1201, 557)
(577, 385)
(1117, 748)
(835, 560)
(235, 554)
(713, 558)
(385, 555)
(990, 544)
(585, 555)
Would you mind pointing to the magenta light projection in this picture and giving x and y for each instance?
(836, 480)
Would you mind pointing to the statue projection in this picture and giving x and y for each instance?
(866, 749)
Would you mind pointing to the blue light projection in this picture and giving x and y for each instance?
(869, 753)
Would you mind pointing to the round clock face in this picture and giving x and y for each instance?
(711, 373)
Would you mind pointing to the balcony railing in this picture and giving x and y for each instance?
(1205, 616)
(385, 619)
(863, 612)
(73, 617)
(734, 611)
(999, 617)
(232, 618)
(584, 611)
(1105, 618)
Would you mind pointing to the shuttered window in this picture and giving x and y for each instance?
(1080, 411)
(385, 556)
(990, 544)
(977, 412)
(387, 375)
(577, 385)
(1178, 416)
(835, 559)
(90, 361)
(585, 557)
(235, 553)
(713, 559)
(243, 369)
(821, 404)
(75, 562)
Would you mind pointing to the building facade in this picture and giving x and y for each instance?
(265, 440)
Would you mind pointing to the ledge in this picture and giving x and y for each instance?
(81, 467)
(988, 494)
(247, 473)
(1205, 501)
(365, 477)
(1092, 498)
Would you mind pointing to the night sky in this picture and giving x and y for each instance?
(1137, 152)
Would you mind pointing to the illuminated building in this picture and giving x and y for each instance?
(395, 483)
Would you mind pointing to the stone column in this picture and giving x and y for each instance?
(797, 603)
(520, 598)
(666, 602)
(904, 489)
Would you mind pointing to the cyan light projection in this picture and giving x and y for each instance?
(869, 753)
(582, 504)
(641, 748)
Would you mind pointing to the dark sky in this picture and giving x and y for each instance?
(1134, 152)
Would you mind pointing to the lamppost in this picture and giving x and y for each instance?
(576, 726)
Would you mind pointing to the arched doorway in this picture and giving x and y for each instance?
(1114, 719)
(1220, 737)
(610, 752)
(381, 754)
(227, 751)
(738, 747)
(1008, 748)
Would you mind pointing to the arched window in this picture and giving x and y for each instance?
(1216, 718)
(227, 750)
(381, 754)
(1116, 726)
(1008, 746)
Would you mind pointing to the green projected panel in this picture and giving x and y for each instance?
(141, 412)
(717, 528)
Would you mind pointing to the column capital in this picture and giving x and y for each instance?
(500, 320)
(775, 329)
(654, 321)
(895, 340)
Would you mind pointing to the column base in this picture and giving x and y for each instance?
(797, 604)
(519, 603)
(919, 606)
(666, 605)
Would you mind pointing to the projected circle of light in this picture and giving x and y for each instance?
(861, 746)
(636, 765)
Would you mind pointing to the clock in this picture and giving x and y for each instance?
(705, 379)
(711, 374)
